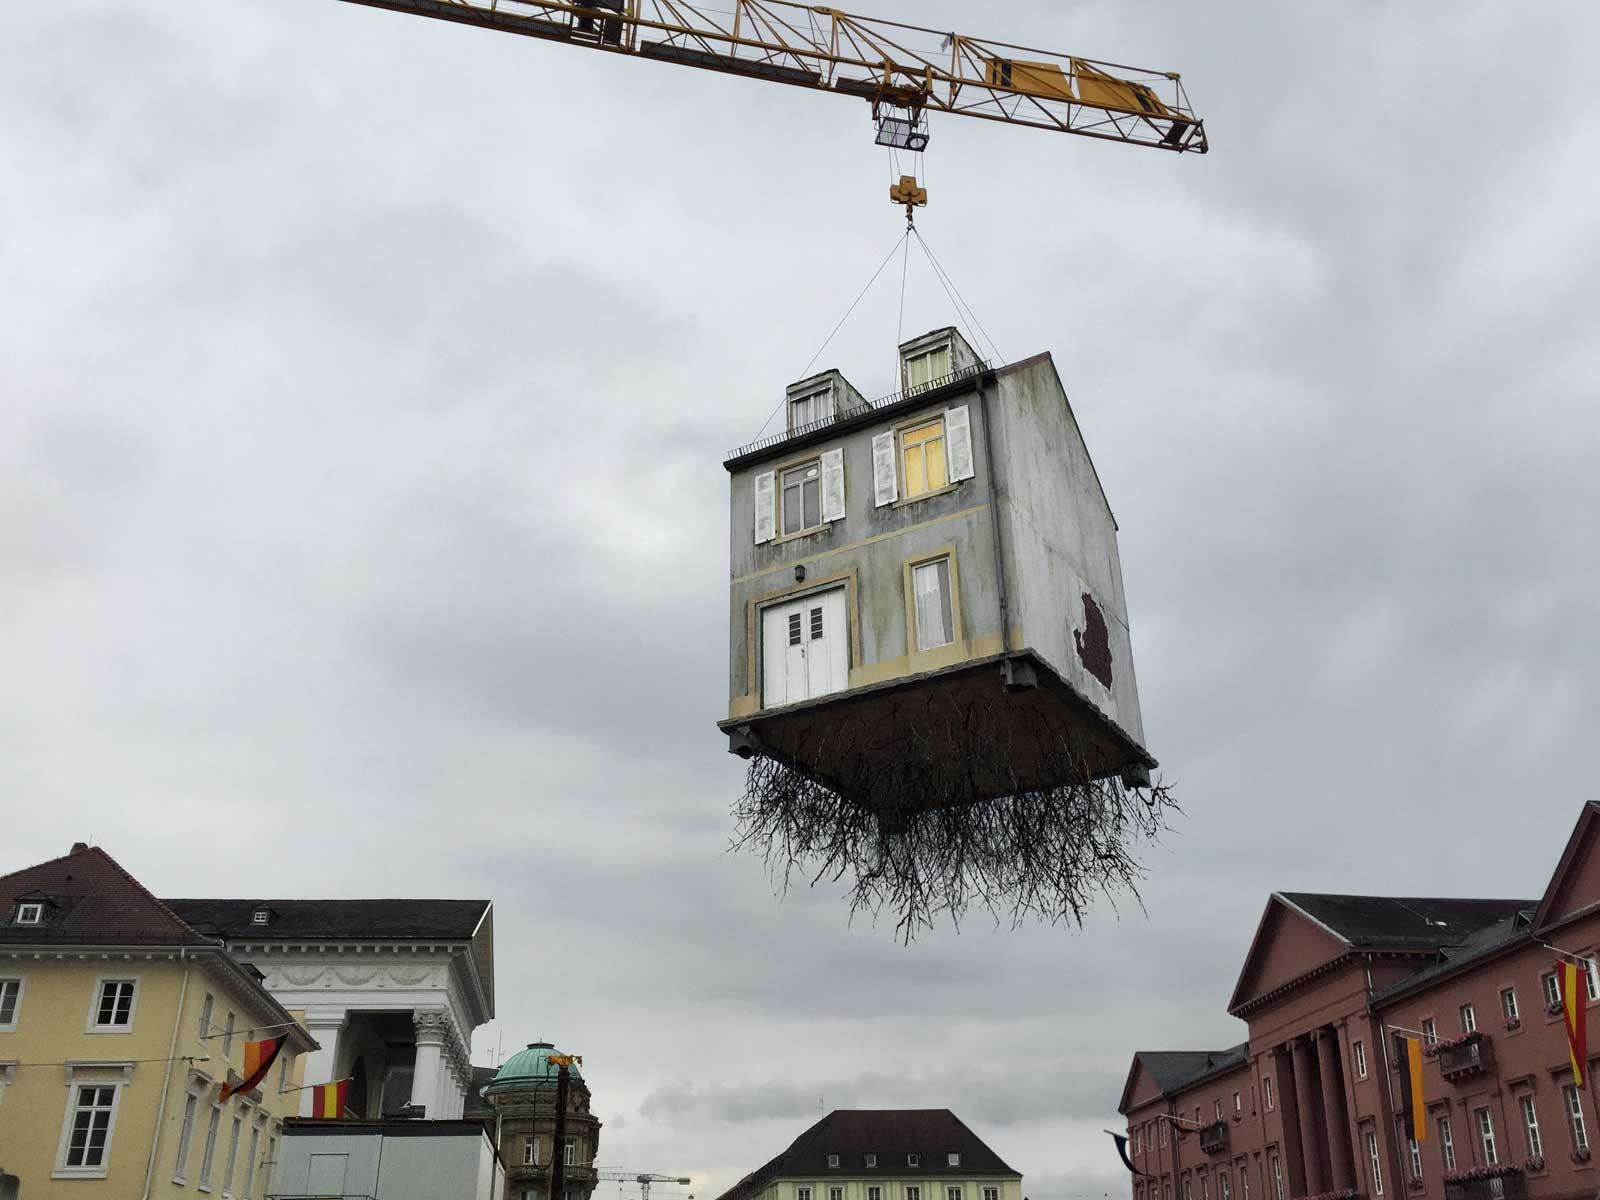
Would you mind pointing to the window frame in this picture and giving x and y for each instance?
(250, 1160)
(989, 1192)
(833, 1162)
(96, 997)
(227, 1035)
(951, 599)
(952, 1158)
(1224, 1188)
(10, 1026)
(1577, 1124)
(1266, 1091)
(569, 1151)
(76, 1086)
(1510, 1007)
(836, 1191)
(871, 1160)
(945, 347)
(793, 402)
(530, 1150)
(233, 1153)
(874, 1191)
(1483, 1120)
(1469, 1019)
(208, 1154)
(1374, 1162)
(1531, 1133)
(913, 1191)
(1591, 975)
(1358, 1051)
(913, 1159)
(943, 438)
(1430, 1032)
(1551, 987)
(1447, 1143)
(952, 1191)
(27, 907)
(1277, 1177)
(802, 1191)
(783, 473)
(1414, 1148)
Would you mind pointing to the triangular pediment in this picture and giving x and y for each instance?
(1287, 945)
(1140, 1089)
(1574, 888)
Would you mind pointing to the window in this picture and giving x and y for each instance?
(1469, 1019)
(1205, 1192)
(233, 1154)
(206, 1006)
(88, 1134)
(913, 1160)
(833, 1160)
(30, 914)
(802, 1193)
(1377, 1167)
(530, 1152)
(952, 1159)
(1216, 1110)
(1491, 1153)
(1416, 1158)
(1429, 1034)
(1447, 1145)
(813, 406)
(1591, 975)
(913, 1193)
(1238, 1105)
(1188, 1189)
(1244, 1180)
(180, 1173)
(259, 917)
(836, 1193)
(926, 367)
(1530, 1122)
(1552, 991)
(227, 1037)
(1224, 1191)
(569, 1152)
(530, 1193)
(1575, 1125)
(1163, 1133)
(114, 1005)
(872, 1160)
(922, 458)
(250, 1161)
(1277, 1178)
(1508, 1004)
(991, 1193)
(802, 497)
(1266, 1091)
(1359, 1050)
(10, 1000)
(209, 1156)
(874, 1192)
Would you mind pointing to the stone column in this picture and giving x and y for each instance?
(1293, 1162)
(327, 1026)
(1341, 1163)
(432, 1028)
(1306, 1100)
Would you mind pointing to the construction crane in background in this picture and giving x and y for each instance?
(904, 71)
(643, 1178)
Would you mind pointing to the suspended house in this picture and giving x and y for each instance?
(930, 665)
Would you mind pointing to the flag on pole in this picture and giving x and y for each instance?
(1122, 1149)
(258, 1060)
(328, 1099)
(1575, 1015)
(1408, 1055)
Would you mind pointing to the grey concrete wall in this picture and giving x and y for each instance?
(394, 1168)
(1060, 537)
(874, 542)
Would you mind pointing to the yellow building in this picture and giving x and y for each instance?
(119, 1026)
(883, 1154)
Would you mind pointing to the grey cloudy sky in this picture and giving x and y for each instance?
(366, 382)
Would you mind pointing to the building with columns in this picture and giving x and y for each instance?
(1309, 1104)
(390, 989)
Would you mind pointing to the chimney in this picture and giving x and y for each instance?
(79, 847)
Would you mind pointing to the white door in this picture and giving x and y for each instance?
(805, 650)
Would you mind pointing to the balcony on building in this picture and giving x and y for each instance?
(1472, 1055)
(1510, 1184)
(1214, 1138)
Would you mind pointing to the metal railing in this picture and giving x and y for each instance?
(1214, 1137)
(1512, 1185)
(1473, 1054)
(867, 406)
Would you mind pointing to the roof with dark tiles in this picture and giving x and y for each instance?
(89, 899)
(889, 1133)
(1173, 1070)
(1403, 922)
(329, 920)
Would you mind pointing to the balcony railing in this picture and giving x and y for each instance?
(1510, 1184)
(1214, 1138)
(1472, 1055)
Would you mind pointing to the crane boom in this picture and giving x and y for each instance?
(885, 62)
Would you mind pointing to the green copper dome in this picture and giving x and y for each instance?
(529, 1068)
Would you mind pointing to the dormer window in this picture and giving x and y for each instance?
(260, 916)
(926, 366)
(31, 913)
(833, 1161)
(953, 1159)
(813, 406)
(913, 1160)
(872, 1160)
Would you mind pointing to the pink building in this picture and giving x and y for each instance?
(1309, 1105)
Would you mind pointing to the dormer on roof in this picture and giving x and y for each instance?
(934, 357)
(819, 399)
(33, 909)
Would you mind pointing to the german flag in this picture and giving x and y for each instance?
(258, 1060)
(1408, 1060)
(328, 1099)
(1575, 1015)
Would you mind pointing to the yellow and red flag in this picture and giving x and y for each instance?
(328, 1099)
(258, 1060)
(1575, 1015)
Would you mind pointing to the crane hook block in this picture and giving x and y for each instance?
(908, 193)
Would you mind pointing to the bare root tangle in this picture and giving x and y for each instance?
(918, 837)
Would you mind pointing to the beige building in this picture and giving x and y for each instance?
(523, 1097)
(883, 1154)
(119, 1026)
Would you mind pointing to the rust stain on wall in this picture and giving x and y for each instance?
(1094, 641)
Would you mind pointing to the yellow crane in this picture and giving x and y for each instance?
(904, 71)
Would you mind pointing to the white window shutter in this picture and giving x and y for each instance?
(766, 523)
(885, 483)
(833, 485)
(958, 443)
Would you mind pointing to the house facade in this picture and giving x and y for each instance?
(119, 1026)
(1311, 1104)
(391, 989)
(948, 539)
(883, 1154)
(523, 1098)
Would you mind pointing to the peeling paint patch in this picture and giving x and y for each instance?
(1094, 641)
